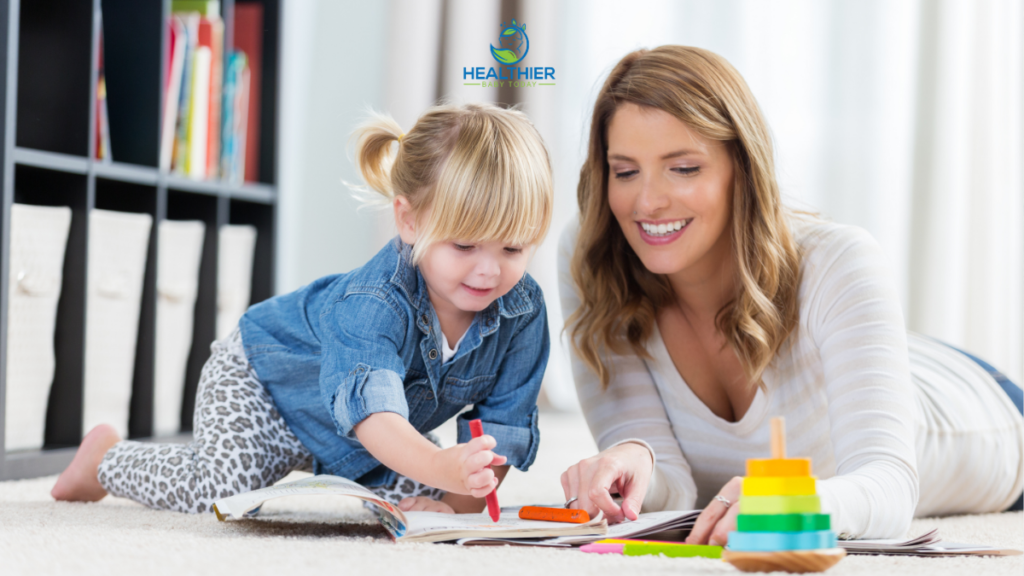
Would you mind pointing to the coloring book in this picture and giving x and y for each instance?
(409, 526)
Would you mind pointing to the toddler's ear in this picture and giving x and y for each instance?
(405, 220)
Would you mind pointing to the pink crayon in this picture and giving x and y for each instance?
(603, 548)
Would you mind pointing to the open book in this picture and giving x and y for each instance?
(648, 523)
(408, 526)
(927, 544)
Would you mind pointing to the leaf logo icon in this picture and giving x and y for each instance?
(513, 44)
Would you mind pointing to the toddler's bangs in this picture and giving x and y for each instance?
(495, 185)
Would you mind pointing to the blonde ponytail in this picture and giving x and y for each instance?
(483, 169)
(375, 156)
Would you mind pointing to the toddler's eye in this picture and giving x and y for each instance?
(463, 247)
(513, 250)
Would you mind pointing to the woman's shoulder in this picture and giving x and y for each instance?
(824, 244)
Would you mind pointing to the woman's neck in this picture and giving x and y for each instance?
(704, 287)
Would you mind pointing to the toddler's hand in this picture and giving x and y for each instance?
(424, 504)
(471, 462)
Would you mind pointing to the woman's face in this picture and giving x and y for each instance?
(671, 191)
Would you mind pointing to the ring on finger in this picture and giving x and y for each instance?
(570, 501)
(723, 500)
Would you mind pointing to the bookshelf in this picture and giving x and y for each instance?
(48, 55)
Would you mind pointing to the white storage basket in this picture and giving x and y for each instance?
(39, 237)
(234, 275)
(179, 254)
(118, 243)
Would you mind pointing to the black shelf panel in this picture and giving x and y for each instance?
(126, 172)
(132, 68)
(54, 75)
(51, 160)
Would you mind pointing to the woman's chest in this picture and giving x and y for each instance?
(707, 365)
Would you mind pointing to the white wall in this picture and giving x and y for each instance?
(333, 70)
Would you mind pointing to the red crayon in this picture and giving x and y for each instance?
(476, 428)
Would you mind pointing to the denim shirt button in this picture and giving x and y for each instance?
(430, 395)
(424, 319)
(432, 354)
(490, 322)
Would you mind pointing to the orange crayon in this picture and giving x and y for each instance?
(554, 514)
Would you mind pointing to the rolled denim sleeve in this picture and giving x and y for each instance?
(509, 413)
(361, 370)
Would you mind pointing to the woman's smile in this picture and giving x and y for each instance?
(659, 233)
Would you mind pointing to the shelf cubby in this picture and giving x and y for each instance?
(48, 159)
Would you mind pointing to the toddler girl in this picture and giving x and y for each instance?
(346, 375)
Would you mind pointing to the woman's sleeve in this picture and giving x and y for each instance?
(630, 409)
(856, 322)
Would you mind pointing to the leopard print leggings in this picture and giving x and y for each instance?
(240, 443)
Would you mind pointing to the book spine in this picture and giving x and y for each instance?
(172, 94)
(181, 152)
(228, 142)
(248, 37)
(216, 87)
(241, 125)
(199, 120)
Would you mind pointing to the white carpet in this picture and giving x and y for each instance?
(115, 536)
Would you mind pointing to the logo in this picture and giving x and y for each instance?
(514, 44)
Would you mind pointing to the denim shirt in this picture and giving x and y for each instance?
(350, 345)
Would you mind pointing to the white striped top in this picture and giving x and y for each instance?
(896, 424)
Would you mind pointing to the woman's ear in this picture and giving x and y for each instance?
(405, 220)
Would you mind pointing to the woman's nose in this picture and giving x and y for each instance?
(653, 196)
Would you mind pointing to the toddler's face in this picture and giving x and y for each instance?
(468, 276)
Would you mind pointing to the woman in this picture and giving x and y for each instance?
(699, 307)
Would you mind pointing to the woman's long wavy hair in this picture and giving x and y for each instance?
(620, 297)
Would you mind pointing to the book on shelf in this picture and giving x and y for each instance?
(248, 37)
(234, 118)
(206, 118)
(102, 119)
(172, 89)
(189, 27)
(202, 7)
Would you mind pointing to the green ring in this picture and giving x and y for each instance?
(783, 522)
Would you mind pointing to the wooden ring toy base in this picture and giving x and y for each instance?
(795, 561)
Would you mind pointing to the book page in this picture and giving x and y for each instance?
(437, 527)
(248, 504)
(647, 523)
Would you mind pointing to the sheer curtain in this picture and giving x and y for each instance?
(902, 117)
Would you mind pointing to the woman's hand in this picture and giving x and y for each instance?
(624, 469)
(717, 520)
(424, 504)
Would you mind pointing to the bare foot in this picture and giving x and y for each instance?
(79, 482)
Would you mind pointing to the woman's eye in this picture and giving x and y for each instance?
(463, 247)
(687, 170)
(625, 174)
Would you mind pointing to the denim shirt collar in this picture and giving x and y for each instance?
(407, 277)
